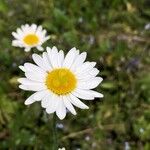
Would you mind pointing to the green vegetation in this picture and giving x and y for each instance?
(112, 32)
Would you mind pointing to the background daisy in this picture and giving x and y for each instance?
(60, 82)
(61, 148)
(29, 36)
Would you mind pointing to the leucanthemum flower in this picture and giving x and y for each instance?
(29, 36)
(59, 82)
(61, 148)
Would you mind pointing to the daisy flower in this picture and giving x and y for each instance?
(30, 36)
(61, 148)
(60, 82)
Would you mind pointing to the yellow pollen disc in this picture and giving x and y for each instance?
(31, 39)
(61, 81)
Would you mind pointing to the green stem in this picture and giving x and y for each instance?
(55, 142)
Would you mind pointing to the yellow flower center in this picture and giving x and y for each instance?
(61, 81)
(31, 39)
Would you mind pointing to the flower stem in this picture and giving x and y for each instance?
(55, 142)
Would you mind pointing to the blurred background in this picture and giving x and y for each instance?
(115, 34)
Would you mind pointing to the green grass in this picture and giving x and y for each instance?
(112, 32)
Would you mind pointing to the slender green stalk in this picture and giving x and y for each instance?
(55, 141)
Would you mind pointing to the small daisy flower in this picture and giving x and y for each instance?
(60, 82)
(30, 36)
(61, 148)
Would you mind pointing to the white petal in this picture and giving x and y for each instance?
(96, 94)
(17, 43)
(22, 68)
(40, 48)
(15, 35)
(94, 72)
(20, 32)
(70, 57)
(34, 27)
(36, 76)
(30, 100)
(49, 50)
(75, 101)
(39, 30)
(40, 95)
(85, 67)
(31, 67)
(87, 75)
(60, 58)
(27, 49)
(47, 61)
(26, 81)
(68, 104)
(45, 101)
(44, 32)
(61, 110)
(23, 87)
(39, 61)
(25, 28)
(53, 104)
(46, 38)
(54, 57)
(83, 94)
(36, 87)
(79, 61)
(87, 94)
(90, 84)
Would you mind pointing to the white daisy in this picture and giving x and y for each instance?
(29, 37)
(61, 148)
(59, 82)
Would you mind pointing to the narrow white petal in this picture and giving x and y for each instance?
(84, 76)
(83, 94)
(15, 35)
(26, 81)
(40, 48)
(47, 62)
(31, 68)
(54, 57)
(53, 104)
(34, 27)
(44, 32)
(36, 87)
(45, 101)
(22, 68)
(96, 94)
(90, 84)
(30, 100)
(40, 95)
(85, 67)
(79, 61)
(39, 30)
(70, 57)
(75, 101)
(25, 28)
(68, 104)
(39, 61)
(94, 72)
(19, 32)
(23, 87)
(36, 76)
(17, 43)
(60, 58)
(27, 49)
(49, 51)
(46, 38)
(61, 110)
